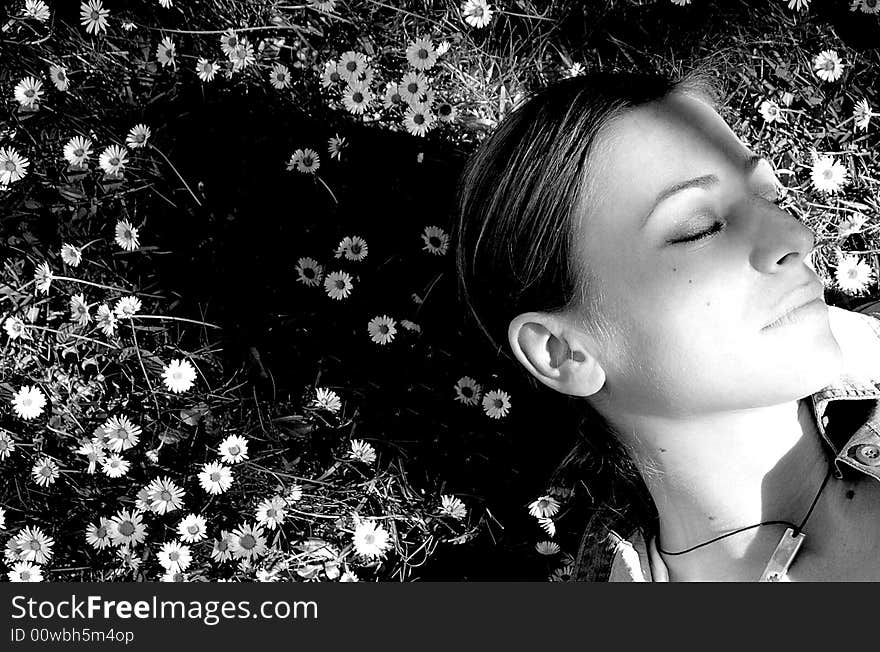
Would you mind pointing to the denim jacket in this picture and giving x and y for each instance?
(849, 404)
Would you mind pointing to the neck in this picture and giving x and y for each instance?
(712, 475)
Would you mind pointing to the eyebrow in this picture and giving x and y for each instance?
(706, 181)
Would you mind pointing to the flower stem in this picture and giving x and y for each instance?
(179, 176)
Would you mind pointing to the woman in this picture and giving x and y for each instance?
(630, 249)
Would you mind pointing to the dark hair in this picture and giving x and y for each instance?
(517, 198)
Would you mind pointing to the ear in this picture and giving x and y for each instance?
(555, 354)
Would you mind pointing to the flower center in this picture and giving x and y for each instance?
(166, 496)
(215, 477)
(412, 87)
(193, 529)
(234, 450)
(248, 541)
(126, 528)
(351, 66)
(423, 54)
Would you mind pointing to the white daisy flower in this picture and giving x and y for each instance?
(166, 3)
(243, 55)
(325, 6)
(77, 150)
(452, 506)
(36, 9)
(421, 54)
(193, 528)
(221, 551)
(548, 548)
(335, 147)
(862, 112)
(126, 235)
(382, 329)
(798, 5)
(234, 449)
(548, 526)
(309, 272)
(496, 403)
(371, 539)
(228, 43)
(106, 320)
(306, 161)
(851, 225)
(357, 97)
(206, 69)
(24, 571)
(280, 76)
(165, 52)
(127, 307)
(419, 119)
(362, 451)
(544, 507)
(828, 175)
(215, 478)
(563, 574)
(94, 452)
(410, 325)
(112, 160)
(93, 16)
(127, 528)
(413, 87)
(7, 445)
(446, 112)
(349, 576)
(270, 512)
(164, 495)
(294, 494)
(468, 391)
(115, 466)
(79, 310)
(98, 536)
(681, 3)
(174, 556)
(393, 96)
(15, 328)
(443, 48)
(179, 376)
(327, 399)
(247, 542)
(354, 247)
(771, 112)
(43, 278)
(477, 13)
(28, 91)
(436, 240)
(351, 65)
(28, 402)
(138, 136)
(71, 255)
(828, 66)
(853, 275)
(338, 285)
(330, 74)
(45, 471)
(13, 166)
(121, 433)
(35, 545)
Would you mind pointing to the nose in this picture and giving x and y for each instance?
(781, 239)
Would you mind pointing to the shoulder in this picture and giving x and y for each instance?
(858, 334)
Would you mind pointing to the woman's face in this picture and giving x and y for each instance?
(688, 317)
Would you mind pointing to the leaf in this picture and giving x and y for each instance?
(192, 416)
(172, 436)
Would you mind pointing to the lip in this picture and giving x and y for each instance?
(797, 303)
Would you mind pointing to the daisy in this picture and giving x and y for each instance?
(563, 573)
(304, 160)
(7, 445)
(166, 3)
(79, 310)
(24, 571)
(127, 307)
(370, 539)
(121, 433)
(264, 575)
(126, 235)
(338, 285)
(138, 136)
(393, 96)
(413, 86)
(867, 6)
(468, 390)
(114, 466)
(862, 112)
(36, 9)
(35, 545)
(152, 455)
(45, 471)
(15, 328)
(228, 43)
(335, 147)
(477, 13)
(770, 111)
(351, 65)
(575, 69)
(798, 5)
(174, 556)
(206, 69)
(382, 329)
(13, 553)
(242, 56)
(544, 507)
(421, 54)
(192, 529)
(247, 542)
(419, 119)
(851, 225)
(13, 166)
(436, 240)
(179, 376)
(142, 500)
(28, 402)
(681, 3)
(548, 526)
(828, 175)
(446, 112)
(93, 16)
(309, 272)
(327, 399)
(356, 97)
(362, 451)
(221, 551)
(548, 548)
(165, 52)
(112, 160)
(58, 75)
(496, 403)
(94, 452)
(354, 248)
(828, 66)
(323, 5)
(853, 275)
(280, 76)
(71, 255)
(43, 277)
(234, 449)
(294, 494)
(28, 91)
(270, 512)
(452, 506)
(349, 576)
(77, 150)
(164, 495)
(106, 320)
(330, 74)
